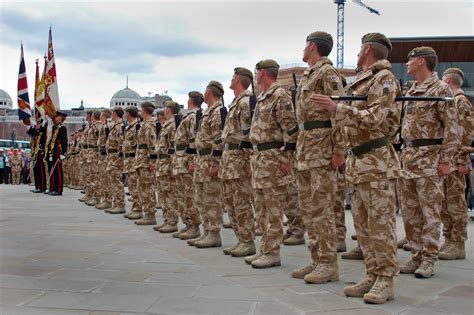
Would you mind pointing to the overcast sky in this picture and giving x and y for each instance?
(178, 46)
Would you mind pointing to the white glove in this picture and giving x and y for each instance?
(62, 157)
(51, 159)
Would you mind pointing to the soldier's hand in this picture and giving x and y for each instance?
(323, 101)
(152, 168)
(462, 170)
(443, 170)
(286, 167)
(337, 161)
(191, 167)
(213, 171)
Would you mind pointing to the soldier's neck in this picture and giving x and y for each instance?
(238, 90)
(422, 75)
(266, 85)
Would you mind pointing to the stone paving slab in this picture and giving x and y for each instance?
(62, 257)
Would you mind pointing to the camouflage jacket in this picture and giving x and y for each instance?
(363, 121)
(129, 146)
(115, 139)
(146, 139)
(273, 119)
(208, 137)
(184, 137)
(234, 162)
(165, 143)
(102, 138)
(429, 120)
(466, 123)
(315, 147)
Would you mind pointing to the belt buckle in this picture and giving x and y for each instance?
(255, 147)
(301, 126)
(349, 152)
(226, 146)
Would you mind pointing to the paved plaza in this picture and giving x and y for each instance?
(59, 256)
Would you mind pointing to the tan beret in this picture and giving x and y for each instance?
(217, 85)
(148, 105)
(423, 51)
(267, 63)
(455, 71)
(160, 112)
(320, 35)
(196, 94)
(377, 38)
(244, 72)
(172, 104)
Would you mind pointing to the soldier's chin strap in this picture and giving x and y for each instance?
(397, 99)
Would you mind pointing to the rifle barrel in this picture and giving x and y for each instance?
(397, 99)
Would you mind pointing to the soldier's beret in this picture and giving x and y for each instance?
(148, 105)
(196, 94)
(216, 85)
(160, 112)
(59, 113)
(377, 38)
(423, 51)
(107, 111)
(454, 70)
(172, 104)
(267, 63)
(244, 72)
(320, 35)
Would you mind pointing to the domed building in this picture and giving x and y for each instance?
(126, 97)
(5, 100)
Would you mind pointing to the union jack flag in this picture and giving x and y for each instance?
(24, 109)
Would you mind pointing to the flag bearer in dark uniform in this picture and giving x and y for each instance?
(56, 153)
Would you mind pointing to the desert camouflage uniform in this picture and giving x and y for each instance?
(129, 148)
(421, 188)
(317, 180)
(91, 161)
(164, 172)
(273, 118)
(115, 165)
(371, 175)
(184, 141)
(234, 170)
(292, 211)
(16, 165)
(208, 199)
(103, 191)
(454, 214)
(146, 139)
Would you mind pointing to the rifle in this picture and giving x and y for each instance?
(223, 112)
(157, 128)
(177, 120)
(198, 120)
(293, 91)
(252, 105)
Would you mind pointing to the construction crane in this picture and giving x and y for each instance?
(340, 27)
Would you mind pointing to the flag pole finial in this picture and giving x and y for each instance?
(127, 82)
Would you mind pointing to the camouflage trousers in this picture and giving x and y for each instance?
(103, 180)
(66, 171)
(422, 200)
(270, 203)
(373, 209)
(185, 197)
(114, 175)
(146, 192)
(339, 208)
(167, 195)
(454, 211)
(207, 200)
(134, 190)
(292, 211)
(92, 177)
(236, 197)
(16, 172)
(317, 188)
